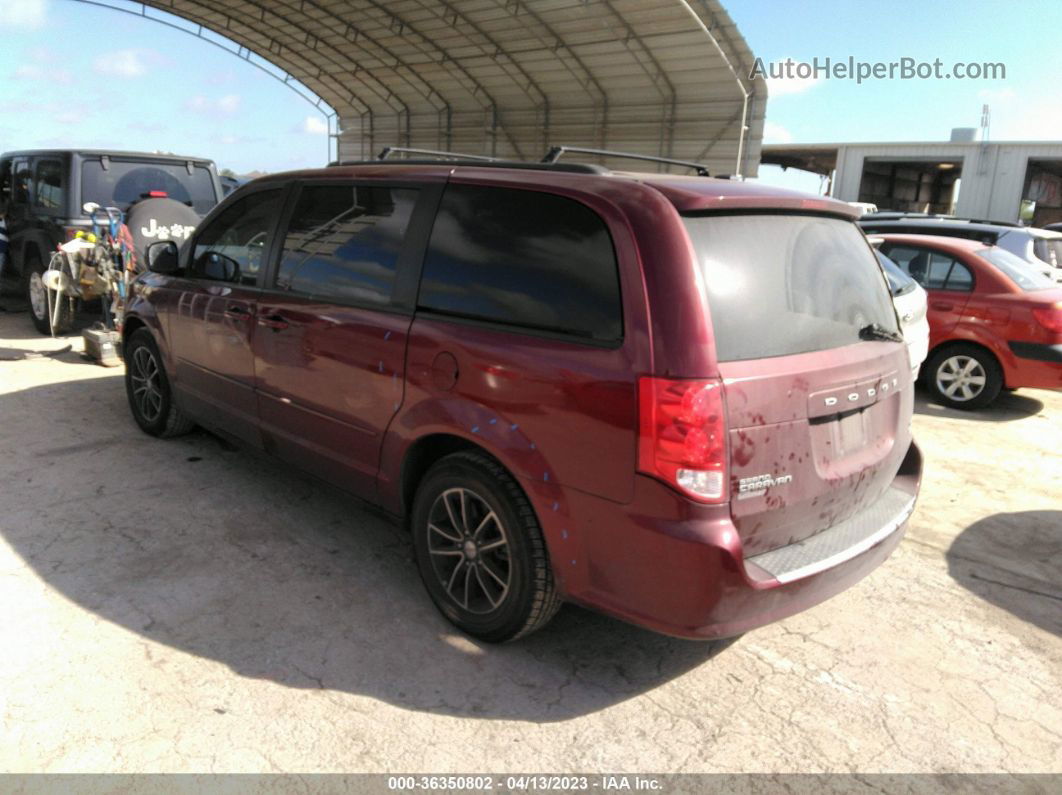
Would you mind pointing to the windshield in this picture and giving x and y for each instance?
(785, 284)
(1054, 246)
(1042, 250)
(126, 181)
(899, 282)
(1025, 275)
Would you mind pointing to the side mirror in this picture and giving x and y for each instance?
(219, 267)
(162, 257)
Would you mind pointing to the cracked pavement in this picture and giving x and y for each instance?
(182, 606)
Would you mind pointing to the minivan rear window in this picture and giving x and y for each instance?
(781, 284)
(524, 259)
(126, 181)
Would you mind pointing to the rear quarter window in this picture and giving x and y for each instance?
(786, 284)
(524, 259)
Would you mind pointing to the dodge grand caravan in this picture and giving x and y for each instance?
(679, 400)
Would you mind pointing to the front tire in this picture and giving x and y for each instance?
(480, 550)
(964, 377)
(148, 389)
(37, 296)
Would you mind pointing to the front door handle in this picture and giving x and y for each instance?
(275, 322)
(942, 306)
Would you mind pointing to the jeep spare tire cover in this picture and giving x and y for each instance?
(152, 220)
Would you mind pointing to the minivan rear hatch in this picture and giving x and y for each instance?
(817, 382)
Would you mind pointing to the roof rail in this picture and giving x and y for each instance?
(571, 168)
(386, 152)
(555, 153)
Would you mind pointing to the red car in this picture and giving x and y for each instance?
(994, 321)
(680, 400)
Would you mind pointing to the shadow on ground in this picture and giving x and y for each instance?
(1014, 561)
(231, 556)
(1007, 407)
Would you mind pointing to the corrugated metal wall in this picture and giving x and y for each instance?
(993, 174)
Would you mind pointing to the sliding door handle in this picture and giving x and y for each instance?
(237, 312)
(275, 322)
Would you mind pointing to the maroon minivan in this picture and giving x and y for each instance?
(682, 401)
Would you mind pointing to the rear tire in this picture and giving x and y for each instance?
(963, 376)
(148, 389)
(37, 296)
(480, 550)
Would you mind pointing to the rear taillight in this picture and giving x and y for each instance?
(682, 435)
(157, 194)
(1050, 317)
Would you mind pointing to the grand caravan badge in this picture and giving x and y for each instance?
(757, 485)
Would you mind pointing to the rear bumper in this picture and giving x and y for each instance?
(1034, 365)
(672, 567)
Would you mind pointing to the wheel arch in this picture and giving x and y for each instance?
(130, 326)
(424, 452)
(961, 341)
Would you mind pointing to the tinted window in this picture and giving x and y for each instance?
(959, 278)
(785, 284)
(48, 184)
(931, 269)
(6, 183)
(343, 242)
(124, 182)
(522, 258)
(939, 268)
(233, 246)
(20, 192)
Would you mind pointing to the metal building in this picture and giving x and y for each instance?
(511, 77)
(1002, 180)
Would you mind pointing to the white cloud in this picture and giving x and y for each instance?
(774, 133)
(1017, 118)
(996, 94)
(313, 125)
(1038, 122)
(125, 63)
(780, 87)
(223, 106)
(32, 71)
(23, 13)
(230, 103)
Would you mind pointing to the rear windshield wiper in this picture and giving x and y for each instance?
(876, 331)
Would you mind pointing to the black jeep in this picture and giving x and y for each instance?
(43, 193)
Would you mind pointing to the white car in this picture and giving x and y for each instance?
(911, 305)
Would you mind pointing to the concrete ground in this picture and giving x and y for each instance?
(184, 606)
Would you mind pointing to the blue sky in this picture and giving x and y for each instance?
(1023, 35)
(79, 75)
(75, 74)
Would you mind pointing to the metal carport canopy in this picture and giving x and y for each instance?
(660, 77)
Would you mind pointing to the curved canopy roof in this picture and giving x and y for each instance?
(509, 78)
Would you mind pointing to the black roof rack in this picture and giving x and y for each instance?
(555, 153)
(435, 160)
